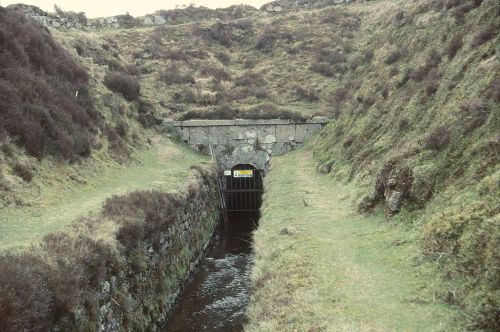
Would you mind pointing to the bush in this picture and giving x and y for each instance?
(439, 138)
(455, 45)
(172, 75)
(25, 301)
(265, 42)
(308, 94)
(432, 83)
(429, 69)
(261, 112)
(340, 94)
(195, 96)
(219, 113)
(223, 57)
(23, 172)
(354, 64)
(460, 11)
(38, 80)
(218, 74)
(486, 34)
(123, 83)
(368, 55)
(4, 184)
(227, 34)
(132, 70)
(122, 128)
(269, 111)
(155, 210)
(331, 56)
(323, 69)
(404, 125)
(393, 57)
(7, 148)
(250, 79)
(493, 91)
(473, 114)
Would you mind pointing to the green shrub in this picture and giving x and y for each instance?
(23, 172)
(393, 56)
(439, 138)
(484, 35)
(455, 45)
(323, 69)
(172, 75)
(4, 184)
(250, 79)
(307, 94)
(472, 114)
(123, 83)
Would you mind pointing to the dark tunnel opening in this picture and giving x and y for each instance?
(243, 188)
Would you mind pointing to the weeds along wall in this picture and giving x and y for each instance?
(128, 280)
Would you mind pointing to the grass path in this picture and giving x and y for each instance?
(165, 166)
(321, 267)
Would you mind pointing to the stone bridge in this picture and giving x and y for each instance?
(252, 142)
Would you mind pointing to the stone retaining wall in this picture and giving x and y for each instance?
(165, 269)
(118, 270)
(246, 141)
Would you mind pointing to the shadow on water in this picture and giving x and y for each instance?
(217, 296)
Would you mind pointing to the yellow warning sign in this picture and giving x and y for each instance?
(245, 173)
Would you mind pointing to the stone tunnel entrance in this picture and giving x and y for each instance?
(243, 188)
(252, 142)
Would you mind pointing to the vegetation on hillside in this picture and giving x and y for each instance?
(70, 194)
(56, 112)
(420, 119)
(320, 266)
(108, 270)
(412, 88)
(45, 101)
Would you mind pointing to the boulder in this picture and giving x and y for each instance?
(159, 19)
(393, 186)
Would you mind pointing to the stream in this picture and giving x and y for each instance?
(216, 297)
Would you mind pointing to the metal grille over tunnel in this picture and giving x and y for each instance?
(243, 188)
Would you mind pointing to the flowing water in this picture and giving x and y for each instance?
(216, 297)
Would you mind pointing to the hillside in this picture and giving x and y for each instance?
(412, 88)
(58, 121)
(418, 130)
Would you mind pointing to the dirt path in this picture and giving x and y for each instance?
(321, 267)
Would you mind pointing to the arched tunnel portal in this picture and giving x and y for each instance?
(243, 188)
(243, 150)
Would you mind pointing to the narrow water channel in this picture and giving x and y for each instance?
(217, 296)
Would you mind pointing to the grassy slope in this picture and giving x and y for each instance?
(110, 148)
(296, 41)
(323, 267)
(451, 149)
(165, 166)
